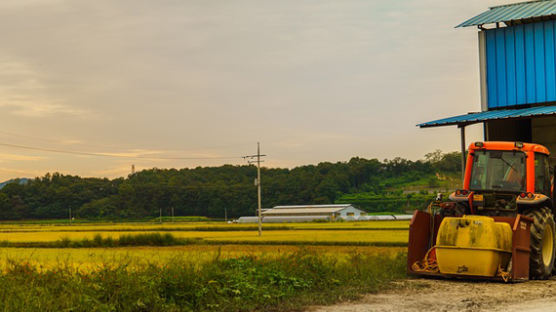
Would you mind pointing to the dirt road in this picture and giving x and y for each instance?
(441, 295)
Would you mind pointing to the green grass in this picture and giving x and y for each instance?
(284, 283)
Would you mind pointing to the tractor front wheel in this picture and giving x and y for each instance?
(543, 251)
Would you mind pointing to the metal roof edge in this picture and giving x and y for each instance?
(515, 3)
(512, 12)
(473, 118)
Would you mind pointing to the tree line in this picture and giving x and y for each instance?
(208, 191)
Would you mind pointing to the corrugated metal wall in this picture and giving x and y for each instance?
(520, 64)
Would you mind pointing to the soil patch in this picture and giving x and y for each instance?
(452, 295)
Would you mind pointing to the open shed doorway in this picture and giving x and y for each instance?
(541, 130)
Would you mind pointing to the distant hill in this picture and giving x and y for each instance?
(20, 180)
(396, 185)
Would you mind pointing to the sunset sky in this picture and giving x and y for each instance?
(179, 83)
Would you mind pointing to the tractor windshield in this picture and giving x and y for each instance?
(498, 171)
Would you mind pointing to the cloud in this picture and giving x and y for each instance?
(9, 173)
(23, 93)
(135, 153)
(18, 157)
(69, 142)
(30, 108)
(167, 155)
(308, 139)
(311, 80)
(15, 4)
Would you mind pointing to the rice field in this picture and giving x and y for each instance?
(211, 232)
(317, 236)
(195, 266)
(195, 226)
(222, 239)
(90, 259)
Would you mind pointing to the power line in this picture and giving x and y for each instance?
(52, 150)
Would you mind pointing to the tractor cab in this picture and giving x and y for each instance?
(503, 179)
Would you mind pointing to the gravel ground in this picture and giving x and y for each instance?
(450, 295)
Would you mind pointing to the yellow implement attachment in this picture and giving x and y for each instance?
(495, 248)
(473, 245)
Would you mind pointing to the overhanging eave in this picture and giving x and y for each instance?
(505, 114)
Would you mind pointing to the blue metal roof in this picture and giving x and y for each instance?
(473, 118)
(514, 12)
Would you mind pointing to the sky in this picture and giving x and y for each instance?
(180, 83)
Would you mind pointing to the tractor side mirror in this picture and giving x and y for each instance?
(438, 197)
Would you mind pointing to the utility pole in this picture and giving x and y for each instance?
(70, 214)
(160, 215)
(257, 159)
(172, 214)
(225, 214)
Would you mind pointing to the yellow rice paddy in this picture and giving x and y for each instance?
(92, 258)
(185, 226)
(366, 236)
(236, 234)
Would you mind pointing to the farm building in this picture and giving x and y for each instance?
(517, 66)
(332, 212)
(284, 219)
(307, 213)
(310, 213)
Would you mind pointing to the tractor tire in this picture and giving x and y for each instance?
(543, 249)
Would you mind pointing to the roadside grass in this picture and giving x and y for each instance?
(283, 283)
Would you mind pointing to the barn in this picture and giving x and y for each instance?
(517, 66)
(331, 212)
(307, 213)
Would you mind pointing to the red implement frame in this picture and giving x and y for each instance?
(423, 229)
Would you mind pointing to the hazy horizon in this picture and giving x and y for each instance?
(189, 83)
